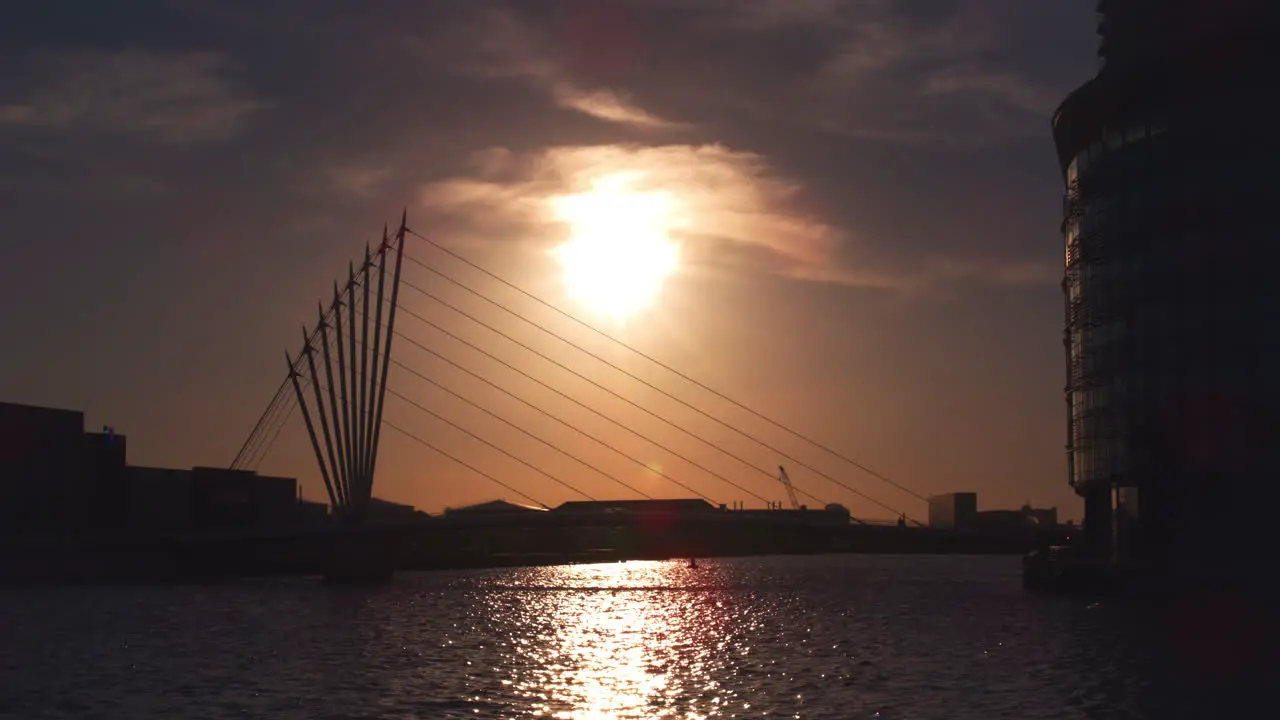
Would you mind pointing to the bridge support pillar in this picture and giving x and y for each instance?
(1099, 523)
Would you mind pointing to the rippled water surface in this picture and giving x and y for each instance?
(813, 637)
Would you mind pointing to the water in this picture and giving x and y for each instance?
(842, 637)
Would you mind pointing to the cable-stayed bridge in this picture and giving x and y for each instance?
(338, 380)
(612, 453)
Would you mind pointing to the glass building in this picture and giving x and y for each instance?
(1171, 219)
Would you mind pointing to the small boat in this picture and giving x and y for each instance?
(1061, 569)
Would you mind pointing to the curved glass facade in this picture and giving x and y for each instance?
(1112, 206)
(1172, 327)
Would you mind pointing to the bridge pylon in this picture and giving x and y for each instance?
(349, 413)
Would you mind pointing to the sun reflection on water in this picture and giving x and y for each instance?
(621, 640)
(853, 637)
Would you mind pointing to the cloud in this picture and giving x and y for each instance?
(882, 73)
(16, 114)
(790, 12)
(731, 209)
(1014, 91)
(935, 73)
(607, 105)
(993, 271)
(166, 98)
(359, 180)
(732, 212)
(498, 43)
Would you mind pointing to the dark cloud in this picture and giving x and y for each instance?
(934, 72)
(166, 98)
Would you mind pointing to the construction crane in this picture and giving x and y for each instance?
(791, 489)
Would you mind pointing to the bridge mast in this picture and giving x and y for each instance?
(351, 420)
(386, 354)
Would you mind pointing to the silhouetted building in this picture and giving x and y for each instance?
(1172, 339)
(159, 500)
(837, 515)
(241, 499)
(56, 480)
(952, 511)
(1000, 522)
(959, 511)
(202, 499)
(104, 487)
(385, 512)
(42, 472)
(493, 507)
(312, 514)
(678, 507)
(839, 510)
(1041, 517)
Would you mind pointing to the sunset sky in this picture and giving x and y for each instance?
(860, 198)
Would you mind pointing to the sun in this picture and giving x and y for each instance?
(619, 251)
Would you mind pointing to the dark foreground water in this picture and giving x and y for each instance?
(813, 637)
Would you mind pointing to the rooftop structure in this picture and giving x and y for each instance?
(682, 506)
(493, 507)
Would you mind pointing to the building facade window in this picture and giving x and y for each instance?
(1109, 207)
